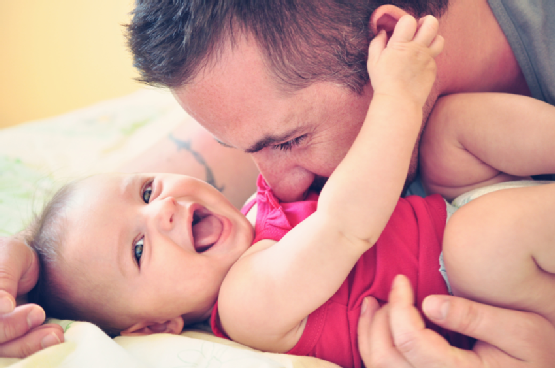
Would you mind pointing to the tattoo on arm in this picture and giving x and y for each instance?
(186, 145)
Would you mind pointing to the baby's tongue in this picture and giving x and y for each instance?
(206, 232)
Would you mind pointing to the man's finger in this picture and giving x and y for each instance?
(496, 326)
(20, 321)
(420, 346)
(406, 322)
(369, 308)
(40, 338)
(18, 266)
(10, 265)
(375, 341)
(7, 302)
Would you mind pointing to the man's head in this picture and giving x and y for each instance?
(137, 253)
(275, 73)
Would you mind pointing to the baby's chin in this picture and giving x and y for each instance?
(197, 318)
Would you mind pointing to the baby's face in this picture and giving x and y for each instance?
(152, 247)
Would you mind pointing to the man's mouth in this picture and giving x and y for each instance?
(318, 184)
(206, 228)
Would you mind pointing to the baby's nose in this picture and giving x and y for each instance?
(166, 211)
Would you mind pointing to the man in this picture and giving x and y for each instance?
(286, 83)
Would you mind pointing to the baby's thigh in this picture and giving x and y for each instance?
(498, 247)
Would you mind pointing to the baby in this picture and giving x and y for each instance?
(141, 254)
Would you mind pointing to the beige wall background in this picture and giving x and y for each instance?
(59, 55)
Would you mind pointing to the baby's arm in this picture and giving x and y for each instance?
(476, 139)
(269, 292)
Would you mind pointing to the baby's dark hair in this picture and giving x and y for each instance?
(46, 236)
(303, 41)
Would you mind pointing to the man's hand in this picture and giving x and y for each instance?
(21, 329)
(394, 335)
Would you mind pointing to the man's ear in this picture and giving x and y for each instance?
(172, 326)
(385, 17)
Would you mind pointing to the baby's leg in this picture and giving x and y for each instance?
(499, 249)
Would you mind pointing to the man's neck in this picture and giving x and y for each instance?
(476, 56)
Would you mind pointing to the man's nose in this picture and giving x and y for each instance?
(289, 181)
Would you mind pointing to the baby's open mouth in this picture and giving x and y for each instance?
(207, 229)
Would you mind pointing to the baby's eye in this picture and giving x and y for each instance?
(138, 250)
(147, 191)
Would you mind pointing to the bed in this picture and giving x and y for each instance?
(38, 157)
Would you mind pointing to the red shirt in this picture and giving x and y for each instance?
(410, 244)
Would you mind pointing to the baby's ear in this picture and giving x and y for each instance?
(172, 326)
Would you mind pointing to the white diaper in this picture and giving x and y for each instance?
(473, 194)
(478, 192)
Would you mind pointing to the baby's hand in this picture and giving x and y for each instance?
(404, 66)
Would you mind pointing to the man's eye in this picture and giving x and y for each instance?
(138, 250)
(289, 145)
(147, 192)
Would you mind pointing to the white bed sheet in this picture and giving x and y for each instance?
(87, 346)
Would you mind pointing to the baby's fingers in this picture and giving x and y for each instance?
(377, 45)
(404, 30)
(427, 31)
(437, 46)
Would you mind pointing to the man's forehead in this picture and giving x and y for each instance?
(243, 122)
(236, 79)
(239, 101)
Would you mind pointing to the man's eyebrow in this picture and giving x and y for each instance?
(267, 140)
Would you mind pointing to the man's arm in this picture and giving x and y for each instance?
(477, 139)
(191, 150)
(394, 336)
